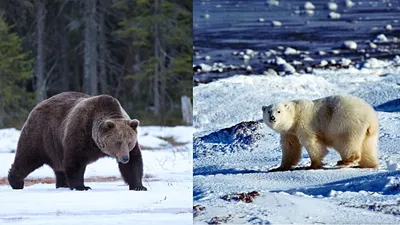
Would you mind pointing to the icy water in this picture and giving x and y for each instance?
(223, 29)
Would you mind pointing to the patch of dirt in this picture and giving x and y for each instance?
(220, 220)
(244, 197)
(172, 141)
(198, 209)
(52, 180)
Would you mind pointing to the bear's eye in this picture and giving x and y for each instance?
(269, 112)
(279, 111)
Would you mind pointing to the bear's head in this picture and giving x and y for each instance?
(279, 117)
(117, 137)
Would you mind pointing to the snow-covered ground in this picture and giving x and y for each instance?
(233, 151)
(168, 177)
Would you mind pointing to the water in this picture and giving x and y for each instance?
(234, 26)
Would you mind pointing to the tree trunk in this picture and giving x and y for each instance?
(102, 52)
(40, 60)
(90, 49)
(65, 65)
(156, 90)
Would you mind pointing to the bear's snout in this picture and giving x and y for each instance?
(124, 159)
(272, 118)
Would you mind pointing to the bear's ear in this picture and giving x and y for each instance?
(134, 123)
(264, 108)
(108, 124)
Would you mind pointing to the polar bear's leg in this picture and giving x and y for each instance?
(291, 152)
(349, 147)
(369, 158)
(316, 150)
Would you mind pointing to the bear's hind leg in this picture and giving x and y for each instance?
(369, 158)
(23, 165)
(349, 148)
(61, 179)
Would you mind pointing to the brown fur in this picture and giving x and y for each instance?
(70, 130)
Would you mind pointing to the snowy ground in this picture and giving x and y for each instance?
(168, 172)
(233, 154)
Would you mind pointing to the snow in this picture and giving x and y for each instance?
(232, 154)
(168, 177)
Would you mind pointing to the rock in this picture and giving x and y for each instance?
(309, 12)
(332, 6)
(309, 70)
(388, 27)
(350, 45)
(206, 16)
(372, 63)
(270, 72)
(323, 63)
(261, 20)
(349, 3)
(345, 62)
(321, 53)
(249, 52)
(207, 57)
(309, 6)
(286, 68)
(396, 60)
(381, 38)
(335, 52)
(248, 68)
(246, 57)
(276, 23)
(334, 15)
(272, 3)
(290, 51)
(372, 45)
(205, 67)
(280, 61)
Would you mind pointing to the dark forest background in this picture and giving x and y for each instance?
(137, 51)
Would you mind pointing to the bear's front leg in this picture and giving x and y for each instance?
(291, 152)
(132, 172)
(316, 150)
(74, 171)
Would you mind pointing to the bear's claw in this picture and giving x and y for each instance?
(81, 188)
(138, 188)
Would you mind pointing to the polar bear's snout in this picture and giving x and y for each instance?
(271, 118)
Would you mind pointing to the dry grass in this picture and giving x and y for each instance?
(170, 140)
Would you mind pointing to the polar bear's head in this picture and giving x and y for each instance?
(279, 117)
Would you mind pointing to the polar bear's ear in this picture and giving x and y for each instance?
(264, 108)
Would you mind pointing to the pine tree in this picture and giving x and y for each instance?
(15, 69)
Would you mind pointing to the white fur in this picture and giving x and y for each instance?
(346, 123)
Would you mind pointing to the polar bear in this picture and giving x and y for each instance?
(346, 123)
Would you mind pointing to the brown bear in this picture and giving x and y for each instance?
(70, 130)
